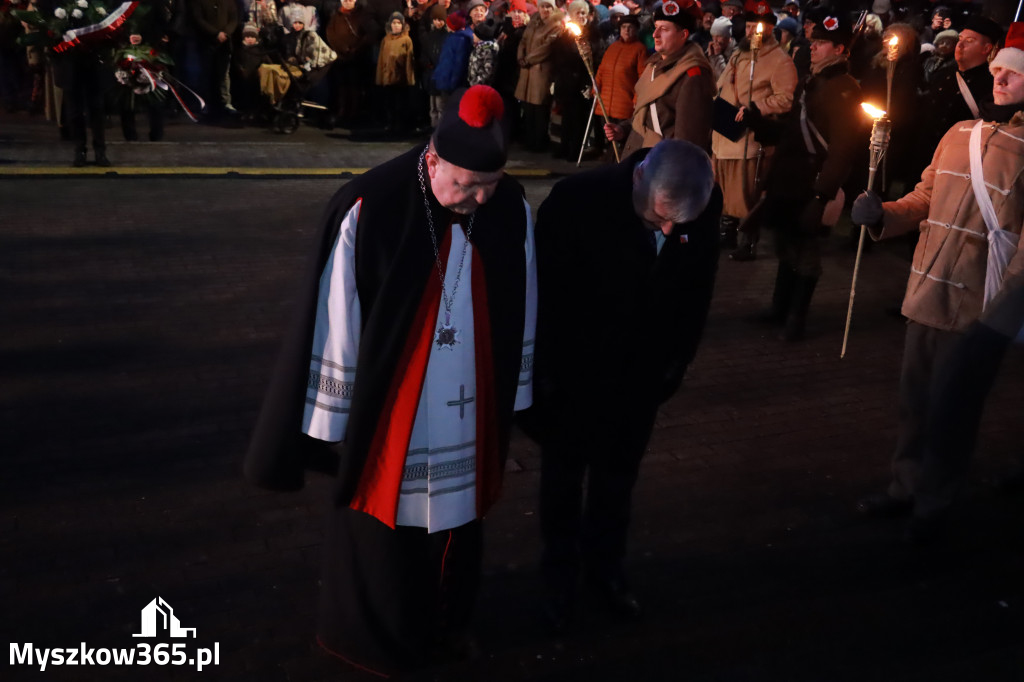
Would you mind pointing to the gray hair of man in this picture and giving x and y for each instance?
(676, 175)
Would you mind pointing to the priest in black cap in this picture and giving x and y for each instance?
(411, 350)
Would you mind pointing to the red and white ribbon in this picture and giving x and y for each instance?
(92, 33)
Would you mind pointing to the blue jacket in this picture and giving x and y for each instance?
(453, 64)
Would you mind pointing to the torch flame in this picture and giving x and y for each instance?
(760, 28)
(574, 29)
(873, 112)
(895, 41)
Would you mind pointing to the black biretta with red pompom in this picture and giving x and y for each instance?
(469, 134)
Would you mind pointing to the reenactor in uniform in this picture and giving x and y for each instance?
(962, 92)
(739, 164)
(817, 145)
(675, 92)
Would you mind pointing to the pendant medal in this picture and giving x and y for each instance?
(447, 335)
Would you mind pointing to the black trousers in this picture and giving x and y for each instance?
(575, 109)
(604, 446)
(85, 89)
(390, 596)
(535, 125)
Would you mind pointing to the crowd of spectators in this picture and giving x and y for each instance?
(390, 64)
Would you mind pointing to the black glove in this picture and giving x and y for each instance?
(810, 217)
(867, 210)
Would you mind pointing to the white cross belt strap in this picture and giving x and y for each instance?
(966, 93)
(1002, 244)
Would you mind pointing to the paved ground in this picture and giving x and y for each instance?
(140, 318)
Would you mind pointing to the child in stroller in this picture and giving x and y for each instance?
(301, 62)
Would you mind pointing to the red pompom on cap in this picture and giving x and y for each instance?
(481, 105)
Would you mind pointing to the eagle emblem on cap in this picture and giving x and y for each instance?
(670, 8)
(830, 23)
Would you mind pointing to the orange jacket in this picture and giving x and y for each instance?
(617, 75)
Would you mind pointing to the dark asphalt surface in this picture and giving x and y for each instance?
(141, 317)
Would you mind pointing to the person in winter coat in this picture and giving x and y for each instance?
(572, 80)
(721, 45)
(620, 68)
(675, 93)
(429, 55)
(535, 74)
(483, 59)
(963, 262)
(453, 65)
(903, 106)
(348, 34)
(739, 164)
(217, 21)
(941, 59)
(396, 73)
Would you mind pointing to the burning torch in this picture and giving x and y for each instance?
(880, 127)
(585, 55)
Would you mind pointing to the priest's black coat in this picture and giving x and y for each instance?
(617, 323)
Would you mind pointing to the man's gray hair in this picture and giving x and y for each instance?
(680, 173)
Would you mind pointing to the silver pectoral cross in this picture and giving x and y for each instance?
(447, 335)
(461, 402)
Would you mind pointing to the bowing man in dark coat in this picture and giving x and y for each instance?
(626, 259)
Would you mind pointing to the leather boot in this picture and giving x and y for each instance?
(728, 231)
(782, 297)
(796, 320)
(80, 158)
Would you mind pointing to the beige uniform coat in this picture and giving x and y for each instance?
(682, 90)
(946, 287)
(775, 80)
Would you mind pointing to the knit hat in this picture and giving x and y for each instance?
(517, 6)
(712, 7)
(619, 9)
(474, 3)
(486, 29)
(438, 12)
(759, 10)
(1012, 56)
(985, 27)
(577, 5)
(834, 28)
(469, 134)
(722, 27)
(396, 15)
(948, 34)
(881, 7)
(682, 13)
(251, 29)
(790, 24)
(456, 21)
